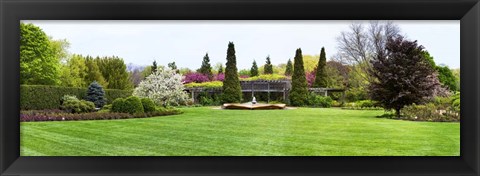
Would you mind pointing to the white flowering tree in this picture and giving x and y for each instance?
(164, 87)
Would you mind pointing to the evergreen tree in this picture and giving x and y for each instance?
(232, 92)
(289, 69)
(115, 72)
(299, 91)
(254, 69)
(268, 68)
(96, 94)
(404, 76)
(93, 72)
(154, 66)
(220, 69)
(173, 66)
(206, 68)
(321, 73)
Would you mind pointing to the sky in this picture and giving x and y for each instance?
(186, 42)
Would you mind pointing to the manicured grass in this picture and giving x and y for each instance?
(211, 132)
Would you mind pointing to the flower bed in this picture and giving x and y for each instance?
(59, 115)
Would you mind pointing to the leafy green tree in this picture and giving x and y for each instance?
(289, 69)
(38, 61)
(206, 68)
(74, 72)
(403, 75)
(299, 91)
(321, 73)
(96, 94)
(446, 77)
(60, 49)
(254, 69)
(232, 92)
(92, 72)
(268, 68)
(115, 72)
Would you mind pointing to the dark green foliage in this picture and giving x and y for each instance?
(299, 91)
(148, 105)
(254, 69)
(220, 69)
(96, 94)
(315, 100)
(38, 63)
(118, 105)
(268, 68)
(172, 65)
(232, 92)
(207, 99)
(154, 66)
(321, 73)
(72, 104)
(115, 72)
(289, 69)
(446, 77)
(133, 105)
(403, 76)
(206, 68)
(37, 97)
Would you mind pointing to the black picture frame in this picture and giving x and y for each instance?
(12, 11)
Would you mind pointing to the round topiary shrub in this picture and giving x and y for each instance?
(148, 105)
(118, 105)
(133, 105)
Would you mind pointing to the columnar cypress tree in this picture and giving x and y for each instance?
(299, 91)
(220, 70)
(289, 69)
(96, 94)
(254, 69)
(321, 73)
(206, 68)
(232, 92)
(154, 66)
(268, 68)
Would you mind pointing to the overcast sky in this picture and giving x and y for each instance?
(186, 42)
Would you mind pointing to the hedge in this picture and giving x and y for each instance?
(37, 97)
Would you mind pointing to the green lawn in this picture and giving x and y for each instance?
(205, 131)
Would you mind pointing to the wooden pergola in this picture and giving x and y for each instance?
(280, 86)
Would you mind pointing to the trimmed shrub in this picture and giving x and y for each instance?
(148, 105)
(429, 112)
(363, 105)
(133, 105)
(118, 105)
(37, 97)
(319, 101)
(73, 105)
(211, 84)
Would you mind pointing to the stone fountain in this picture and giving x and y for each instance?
(253, 105)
